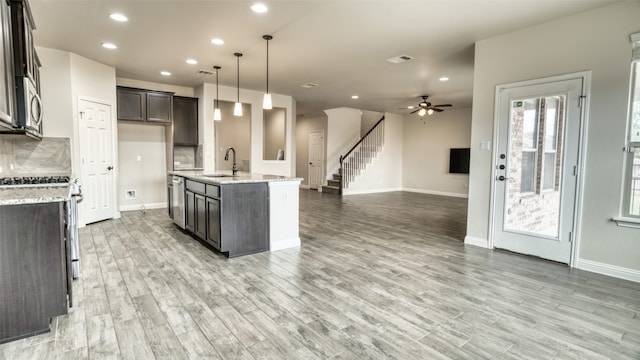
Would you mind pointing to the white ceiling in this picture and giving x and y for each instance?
(340, 45)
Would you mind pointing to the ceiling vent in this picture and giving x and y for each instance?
(309, 85)
(399, 59)
(206, 72)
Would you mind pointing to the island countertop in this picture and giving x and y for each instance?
(241, 177)
(16, 195)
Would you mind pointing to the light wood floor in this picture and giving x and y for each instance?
(382, 276)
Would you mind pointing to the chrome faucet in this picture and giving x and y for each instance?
(234, 169)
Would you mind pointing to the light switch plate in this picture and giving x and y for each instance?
(485, 144)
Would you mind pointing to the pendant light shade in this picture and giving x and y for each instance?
(216, 108)
(266, 102)
(422, 112)
(237, 109)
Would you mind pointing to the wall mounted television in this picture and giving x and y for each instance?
(459, 161)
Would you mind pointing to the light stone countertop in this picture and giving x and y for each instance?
(17, 195)
(241, 177)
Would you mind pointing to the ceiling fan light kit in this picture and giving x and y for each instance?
(426, 108)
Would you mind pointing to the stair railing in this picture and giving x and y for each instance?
(360, 154)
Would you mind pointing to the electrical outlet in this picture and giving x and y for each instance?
(130, 194)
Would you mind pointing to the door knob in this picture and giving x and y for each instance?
(310, 163)
(109, 167)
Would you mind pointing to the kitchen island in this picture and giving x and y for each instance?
(237, 215)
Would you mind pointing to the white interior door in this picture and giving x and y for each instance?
(316, 158)
(536, 167)
(96, 161)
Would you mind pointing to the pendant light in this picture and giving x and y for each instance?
(266, 102)
(216, 109)
(237, 109)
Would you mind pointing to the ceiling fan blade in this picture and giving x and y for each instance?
(443, 105)
(437, 110)
(414, 111)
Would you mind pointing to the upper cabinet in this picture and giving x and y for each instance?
(185, 121)
(7, 87)
(20, 106)
(144, 105)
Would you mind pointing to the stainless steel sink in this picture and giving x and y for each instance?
(217, 175)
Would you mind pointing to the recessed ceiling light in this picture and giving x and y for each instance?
(259, 8)
(444, 78)
(109, 46)
(192, 61)
(354, 96)
(165, 73)
(410, 107)
(217, 41)
(118, 17)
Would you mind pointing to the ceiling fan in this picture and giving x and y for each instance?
(425, 107)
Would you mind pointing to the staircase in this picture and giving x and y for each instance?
(356, 159)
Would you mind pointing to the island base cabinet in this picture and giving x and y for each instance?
(213, 222)
(244, 218)
(200, 229)
(190, 210)
(33, 268)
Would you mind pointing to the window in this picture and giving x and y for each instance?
(631, 203)
(529, 146)
(540, 145)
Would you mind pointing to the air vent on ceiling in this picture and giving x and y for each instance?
(206, 72)
(309, 85)
(399, 59)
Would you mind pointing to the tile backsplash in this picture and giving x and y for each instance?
(49, 157)
(187, 157)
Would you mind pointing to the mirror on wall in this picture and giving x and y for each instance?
(274, 134)
(233, 131)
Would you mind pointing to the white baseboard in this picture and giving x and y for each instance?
(609, 270)
(146, 206)
(432, 192)
(304, 186)
(284, 244)
(474, 241)
(369, 191)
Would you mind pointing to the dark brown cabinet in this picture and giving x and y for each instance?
(233, 218)
(22, 27)
(185, 121)
(7, 88)
(144, 105)
(33, 268)
(213, 222)
(201, 217)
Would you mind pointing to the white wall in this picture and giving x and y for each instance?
(66, 77)
(142, 159)
(596, 40)
(234, 132)
(426, 152)
(305, 125)
(384, 173)
(207, 93)
(343, 131)
(274, 133)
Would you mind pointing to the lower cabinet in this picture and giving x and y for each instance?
(190, 210)
(200, 229)
(232, 218)
(33, 268)
(213, 222)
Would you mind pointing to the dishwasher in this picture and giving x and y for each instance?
(178, 201)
